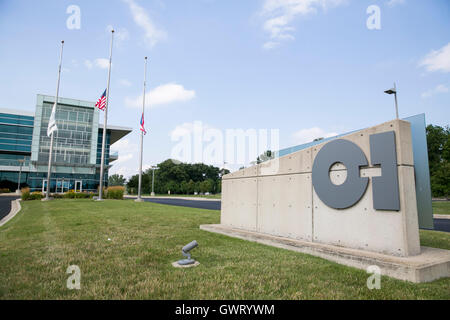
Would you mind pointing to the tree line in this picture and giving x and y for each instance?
(438, 141)
(176, 177)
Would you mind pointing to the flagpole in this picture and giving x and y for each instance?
(102, 164)
(139, 199)
(49, 171)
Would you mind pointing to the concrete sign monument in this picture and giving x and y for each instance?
(351, 200)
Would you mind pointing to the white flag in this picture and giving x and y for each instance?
(52, 122)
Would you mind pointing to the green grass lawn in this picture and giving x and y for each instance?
(441, 207)
(38, 245)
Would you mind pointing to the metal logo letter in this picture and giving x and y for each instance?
(347, 194)
(385, 188)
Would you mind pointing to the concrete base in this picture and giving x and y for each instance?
(45, 199)
(152, 194)
(429, 265)
(18, 192)
(177, 265)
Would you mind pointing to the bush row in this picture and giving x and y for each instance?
(108, 193)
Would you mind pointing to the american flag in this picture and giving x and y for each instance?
(101, 103)
(142, 124)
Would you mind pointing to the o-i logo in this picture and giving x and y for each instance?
(384, 188)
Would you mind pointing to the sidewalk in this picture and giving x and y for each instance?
(441, 216)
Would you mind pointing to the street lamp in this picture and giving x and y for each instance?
(394, 92)
(21, 161)
(153, 180)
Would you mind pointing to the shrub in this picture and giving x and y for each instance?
(25, 194)
(69, 194)
(81, 195)
(36, 195)
(4, 190)
(115, 192)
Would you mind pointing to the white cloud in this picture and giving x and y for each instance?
(152, 34)
(308, 135)
(392, 3)
(124, 145)
(126, 163)
(270, 45)
(124, 158)
(439, 89)
(189, 128)
(163, 94)
(125, 83)
(279, 15)
(88, 64)
(101, 63)
(437, 60)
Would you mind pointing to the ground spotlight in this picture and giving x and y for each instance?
(185, 251)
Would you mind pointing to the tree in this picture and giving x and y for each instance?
(266, 155)
(179, 177)
(438, 142)
(190, 187)
(116, 180)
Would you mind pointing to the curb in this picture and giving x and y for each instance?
(441, 216)
(15, 208)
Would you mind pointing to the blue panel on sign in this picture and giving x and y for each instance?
(421, 170)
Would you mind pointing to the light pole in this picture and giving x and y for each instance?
(394, 92)
(153, 180)
(21, 161)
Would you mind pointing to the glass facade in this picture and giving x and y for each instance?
(72, 141)
(15, 133)
(24, 147)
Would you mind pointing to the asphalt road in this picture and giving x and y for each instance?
(442, 225)
(5, 205)
(199, 204)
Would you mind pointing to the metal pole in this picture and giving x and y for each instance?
(142, 135)
(49, 171)
(20, 173)
(105, 120)
(153, 183)
(396, 104)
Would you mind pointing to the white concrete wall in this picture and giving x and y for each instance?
(277, 198)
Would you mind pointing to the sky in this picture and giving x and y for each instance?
(306, 68)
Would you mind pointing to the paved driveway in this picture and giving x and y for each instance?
(5, 205)
(199, 204)
(442, 225)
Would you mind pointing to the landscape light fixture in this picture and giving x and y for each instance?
(394, 92)
(185, 251)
